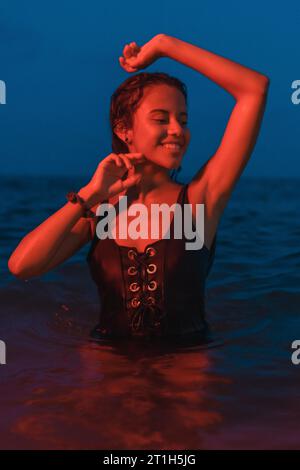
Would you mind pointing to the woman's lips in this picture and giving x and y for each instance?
(173, 148)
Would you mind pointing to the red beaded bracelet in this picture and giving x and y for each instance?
(75, 198)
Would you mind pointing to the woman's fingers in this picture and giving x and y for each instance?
(117, 160)
(120, 185)
(127, 52)
(126, 66)
(135, 48)
(136, 156)
(123, 63)
(129, 160)
(130, 155)
(126, 161)
(130, 51)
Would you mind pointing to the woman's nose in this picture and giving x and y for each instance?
(175, 128)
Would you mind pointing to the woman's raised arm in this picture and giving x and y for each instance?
(216, 179)
(249, 88)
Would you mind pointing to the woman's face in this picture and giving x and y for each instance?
(160, 118)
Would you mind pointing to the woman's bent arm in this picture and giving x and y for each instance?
(62, 234)
(52, 242)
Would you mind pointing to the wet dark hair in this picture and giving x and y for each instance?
(125, 100)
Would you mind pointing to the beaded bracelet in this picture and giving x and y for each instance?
(75, 198)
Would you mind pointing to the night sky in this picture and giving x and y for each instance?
(59, 61)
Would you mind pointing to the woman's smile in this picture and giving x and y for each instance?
(172, 147)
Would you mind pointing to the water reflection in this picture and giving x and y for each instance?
(142, 400)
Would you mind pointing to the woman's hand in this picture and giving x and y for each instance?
(135, 58)
(107, 180)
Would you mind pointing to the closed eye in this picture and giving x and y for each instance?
(163, 120)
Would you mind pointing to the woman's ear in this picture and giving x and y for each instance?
(123, 133)
(120, 132)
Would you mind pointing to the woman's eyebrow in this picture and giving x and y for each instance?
(165, 111)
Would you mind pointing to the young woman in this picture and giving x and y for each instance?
(153, 287)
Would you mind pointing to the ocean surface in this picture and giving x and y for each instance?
(60, 390)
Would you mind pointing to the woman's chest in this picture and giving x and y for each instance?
(136, 224)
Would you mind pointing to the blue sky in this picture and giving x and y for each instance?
(59, 61)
